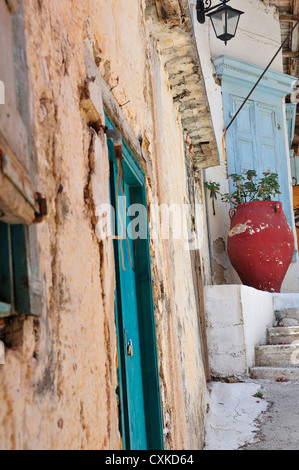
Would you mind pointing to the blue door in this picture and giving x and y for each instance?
(131, 338)
(139, 392)
(256, 141)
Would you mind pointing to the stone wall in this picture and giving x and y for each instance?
(58, 384)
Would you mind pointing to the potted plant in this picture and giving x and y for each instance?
(260, 241)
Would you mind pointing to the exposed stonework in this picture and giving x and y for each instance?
(172, 27)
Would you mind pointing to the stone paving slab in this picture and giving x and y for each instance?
(237, 420)
(233, 410)
(279, 426)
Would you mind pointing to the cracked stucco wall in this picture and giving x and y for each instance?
(58, 384)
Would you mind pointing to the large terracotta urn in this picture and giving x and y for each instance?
(260, 244)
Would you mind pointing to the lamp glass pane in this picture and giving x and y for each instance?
(232, 22)
(219, 22)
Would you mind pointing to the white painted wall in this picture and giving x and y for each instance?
(257, 40)
(237, 318)
(291, 281)
(257, 37)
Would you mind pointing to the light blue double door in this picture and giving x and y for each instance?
(257, 141)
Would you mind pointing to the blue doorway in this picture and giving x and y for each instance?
(138, 391)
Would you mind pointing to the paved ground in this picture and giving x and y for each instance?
(279, 426)
(240, 420)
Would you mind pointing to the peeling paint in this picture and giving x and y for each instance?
(241, 228)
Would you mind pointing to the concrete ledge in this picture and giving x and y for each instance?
(237, 318)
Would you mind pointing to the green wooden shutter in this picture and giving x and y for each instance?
(28, 294)
(20, 288)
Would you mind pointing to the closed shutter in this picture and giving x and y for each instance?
(256, 141)
(241, 142)
(20, 203)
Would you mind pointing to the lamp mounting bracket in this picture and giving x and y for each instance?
(205, 6)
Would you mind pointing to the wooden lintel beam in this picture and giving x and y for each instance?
(288, 18)
(291, 54)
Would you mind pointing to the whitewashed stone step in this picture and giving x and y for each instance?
(283, 334)
(277, 356)
(286, 306)
(288, 317)
(275, 373)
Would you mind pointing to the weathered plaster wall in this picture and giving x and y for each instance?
(58, 384)
(257, 40)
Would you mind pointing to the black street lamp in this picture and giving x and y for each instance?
(225, 19)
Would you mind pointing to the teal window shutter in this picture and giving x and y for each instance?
(20, 287)
(6, 277)
(20, 292)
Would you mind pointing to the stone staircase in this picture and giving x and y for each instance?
(279, 359)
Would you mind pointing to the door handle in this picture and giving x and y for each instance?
(130, 351)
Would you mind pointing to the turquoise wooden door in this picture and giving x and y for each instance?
(139, 391)
(131, 337)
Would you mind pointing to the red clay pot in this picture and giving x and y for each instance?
(260, 244)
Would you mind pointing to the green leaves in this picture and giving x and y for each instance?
(248, 188)
(213, 187)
